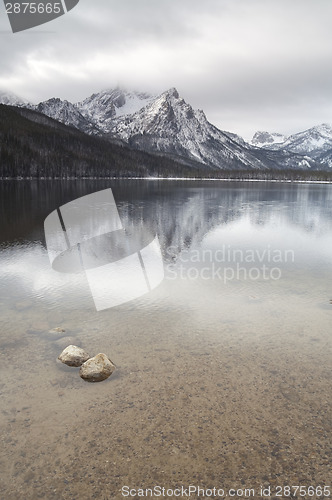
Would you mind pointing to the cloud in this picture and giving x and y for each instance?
(249, 65)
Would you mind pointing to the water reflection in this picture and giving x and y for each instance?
(185, 216)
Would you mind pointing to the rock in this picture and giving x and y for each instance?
(97, 369)
(73, 356)
(59, 332)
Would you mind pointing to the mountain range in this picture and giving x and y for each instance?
(315, 142)
(168, 126)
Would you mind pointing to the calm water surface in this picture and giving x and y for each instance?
(223, 371)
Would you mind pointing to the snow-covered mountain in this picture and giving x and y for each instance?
(315, 143)
(312, 142)
(102, 108)
(167, 125)
(262, 139)
(65, 112)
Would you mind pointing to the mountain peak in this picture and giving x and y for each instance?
(324, 128)
(65, 112)
(172, 92)
(55, 101)
(109, 104)
(265, 139)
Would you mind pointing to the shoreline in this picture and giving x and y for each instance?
(225, 179)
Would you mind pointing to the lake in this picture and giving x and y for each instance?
(223, 371)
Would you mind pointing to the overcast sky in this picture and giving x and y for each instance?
(249, 64)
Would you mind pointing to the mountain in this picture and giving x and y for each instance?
(168, 126)
(262, 139)
(102, 108)
(312, 142)
(65, 112)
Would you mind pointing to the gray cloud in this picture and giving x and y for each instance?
(258, 64)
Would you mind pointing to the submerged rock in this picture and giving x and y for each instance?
(57, 332)
(96, 369)
(73, 356)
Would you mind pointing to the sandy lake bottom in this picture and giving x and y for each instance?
(235, 397)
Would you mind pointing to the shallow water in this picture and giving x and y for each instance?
(223, 372)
